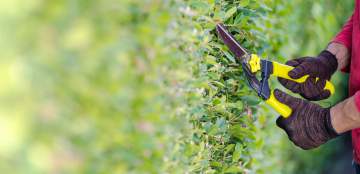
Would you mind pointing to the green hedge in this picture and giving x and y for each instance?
(232, 131)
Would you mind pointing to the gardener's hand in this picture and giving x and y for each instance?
(322, 67)
(309, 125)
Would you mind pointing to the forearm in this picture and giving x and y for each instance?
(341, 53)
(345, 115)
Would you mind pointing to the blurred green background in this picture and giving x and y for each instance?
(102, 86)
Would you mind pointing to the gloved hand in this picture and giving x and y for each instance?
(322, 67)
(309, 125)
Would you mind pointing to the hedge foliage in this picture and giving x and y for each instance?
(136, 86)
(229, 125)
(233, 132)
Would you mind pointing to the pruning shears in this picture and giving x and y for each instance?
(252, 63)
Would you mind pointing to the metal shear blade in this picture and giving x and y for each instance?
(240, 53)
(261, 87)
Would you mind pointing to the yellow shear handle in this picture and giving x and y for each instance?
(283, 109)
(281, 70)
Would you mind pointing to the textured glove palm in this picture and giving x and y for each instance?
(322, 67)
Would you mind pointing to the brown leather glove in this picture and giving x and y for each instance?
(309, 125)
(322, 67)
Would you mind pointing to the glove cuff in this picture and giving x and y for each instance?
(329, 59)
(328, 125)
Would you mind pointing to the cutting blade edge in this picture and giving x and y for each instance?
(239, 52)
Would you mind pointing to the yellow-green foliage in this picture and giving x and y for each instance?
(231, 131)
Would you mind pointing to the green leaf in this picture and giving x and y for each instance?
(244, 3)
(199, 5)
(237, 152)
(251, 100)
(215, 164)
(238, 105)
(233, 169)
(229, 148)
(216, 101)
(230, 12)
(229, 57)
(219, 84)
(211, 60)
(213, 130)
(240, 132)
(221, 122)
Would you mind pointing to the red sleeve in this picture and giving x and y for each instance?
(357, 100)
(345, 37)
